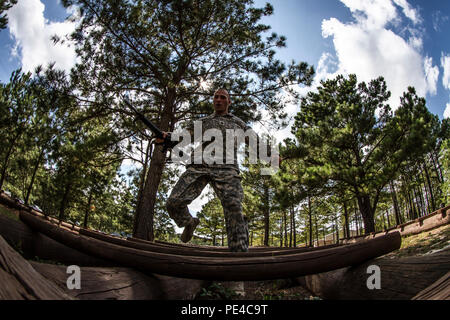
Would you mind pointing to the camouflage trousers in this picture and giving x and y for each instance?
(226, 183)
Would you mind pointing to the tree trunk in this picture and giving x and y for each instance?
(427, 197)
(337, 230)
(388, 220)
(88, 208)
(395, 201)
(324, 236)
(419, 201)
(266, 216)
(294, 227)
(310, 222)
(146, 211)
(65, 200)
(317, 230)
(412, 207)
(430, 187)
(437, 167)
(290, 228)
(5, 162)
(36, 167)
(346, 222)
(281, 232)
(285, 228)
(142, 184)
(366, 212)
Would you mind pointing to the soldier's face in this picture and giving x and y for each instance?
(221, 101)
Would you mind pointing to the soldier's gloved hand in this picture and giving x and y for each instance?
(161, 140)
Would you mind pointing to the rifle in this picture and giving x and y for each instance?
(167, 143)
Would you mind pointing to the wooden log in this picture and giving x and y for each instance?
(401, 279)
(214, 248)
(191, 251)
(34, 244)
(431, 221)
(98, 283)
(217, 268)
(439, 290)
(21, 281)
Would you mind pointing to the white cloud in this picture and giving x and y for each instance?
(445, 64)
(368, 48)
(372, 14)
(447, 111)
(32, 34)
(416, 43)
(432, 75)
(409, 12)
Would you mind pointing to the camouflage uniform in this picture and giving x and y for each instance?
(224, 179)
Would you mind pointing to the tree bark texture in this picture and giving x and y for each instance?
(20, 280)
(401, 279)
(146, 210)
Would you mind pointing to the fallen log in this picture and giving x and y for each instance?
(98, 283)
(20, 280)
(439, 290)
(425, 223)
(140, 286)
(34, 244)
(218, 268)
(217, 248)
(401, 278)
(194, 251)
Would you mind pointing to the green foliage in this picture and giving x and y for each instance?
(354, 142)
(212, 222)
(445, 161)
(217, 291)
(5, 5)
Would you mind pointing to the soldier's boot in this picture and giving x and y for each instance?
(188, 231)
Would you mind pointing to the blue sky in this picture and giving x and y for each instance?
(406, 41)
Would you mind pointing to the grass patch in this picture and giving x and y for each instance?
(8, 213)
(424, 242)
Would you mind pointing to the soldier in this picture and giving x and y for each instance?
(223, 177)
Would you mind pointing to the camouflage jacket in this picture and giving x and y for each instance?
(212, 153)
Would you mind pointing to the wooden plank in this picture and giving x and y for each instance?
(29, 281)
(217, 268)
(192, 251)
(439, 290)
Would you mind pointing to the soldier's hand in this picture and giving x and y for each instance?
(161, 140)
